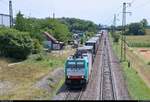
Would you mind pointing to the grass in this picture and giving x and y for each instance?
(147, 31)
(57, 87)
(137, 88)
(24, 75)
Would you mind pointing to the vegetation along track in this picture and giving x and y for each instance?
(107, 91)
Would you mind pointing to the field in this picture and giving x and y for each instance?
(143, 53)
(138, 84)
(138, 41)
(141, 46)
(17, 80)
(147, 31)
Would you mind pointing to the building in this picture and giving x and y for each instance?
(4, 20)
(51, 43)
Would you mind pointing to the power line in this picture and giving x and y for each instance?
(142, 5)
(110, 17)
(132, 1)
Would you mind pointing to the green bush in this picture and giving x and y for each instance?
(148, 63)
(37, 46)
(116, 37)
(40, 57)
(15, 44)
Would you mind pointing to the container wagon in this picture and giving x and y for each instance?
(86, 49)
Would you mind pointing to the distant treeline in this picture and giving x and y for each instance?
(79, 25)
(137, 28)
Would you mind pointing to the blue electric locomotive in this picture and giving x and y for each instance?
(77, 70)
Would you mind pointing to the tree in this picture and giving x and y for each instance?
(20, 23)
(116, 37)
(58, 30)
(79, 25)
(135, 29)
(15, 44)
(144, 22)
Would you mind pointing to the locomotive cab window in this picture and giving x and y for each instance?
(80, 65)
(71, 65)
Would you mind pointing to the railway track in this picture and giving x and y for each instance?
(102, 81)
(107, 91)
(73, 94)
(78, 95)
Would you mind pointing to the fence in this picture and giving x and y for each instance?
(139, 65)
(5, 20)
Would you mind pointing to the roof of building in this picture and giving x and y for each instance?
(51, 37)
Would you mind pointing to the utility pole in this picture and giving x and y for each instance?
(114, 23)
(53, 15)
(123, 28)
(11, 13)
(114, 20)
(123, 37)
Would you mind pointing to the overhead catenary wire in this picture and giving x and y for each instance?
(109, 19)
(117, 13)
(132, 1)
(142, 5)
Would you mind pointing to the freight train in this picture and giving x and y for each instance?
(78, 67)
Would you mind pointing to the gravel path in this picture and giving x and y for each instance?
(5, 87)
(53, 76)
(119, 80)
(47, 82)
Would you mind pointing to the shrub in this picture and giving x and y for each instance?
(40, 57)
(148, 63)
(116, 37)
(15, 44)
(37, 46)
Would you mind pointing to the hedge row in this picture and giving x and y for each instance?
(16, 44)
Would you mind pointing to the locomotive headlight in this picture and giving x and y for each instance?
(68, 76)
(82, 76)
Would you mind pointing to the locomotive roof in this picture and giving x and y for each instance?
(77, 59)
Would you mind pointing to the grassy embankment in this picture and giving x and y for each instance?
(136, 86)
(18, 80)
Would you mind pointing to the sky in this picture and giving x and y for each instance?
(98, 11)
